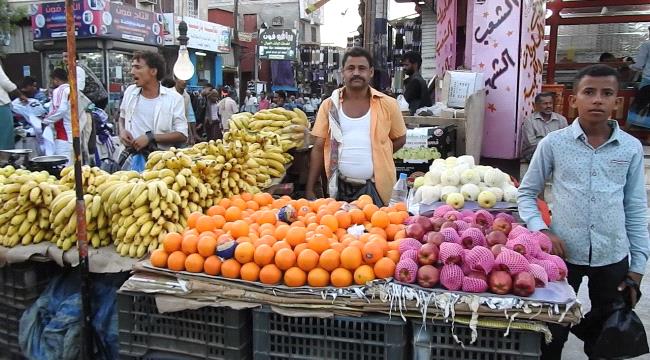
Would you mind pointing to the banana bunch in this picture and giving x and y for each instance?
(240, 121)
(268, 160)
(63, 220)
(291, 126)
(6, 171)
(26, 198)
(92, 177)
(140, 214)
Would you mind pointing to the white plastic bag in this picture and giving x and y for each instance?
(403, 104)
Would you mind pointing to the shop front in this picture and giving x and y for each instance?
(108, 34)
(208, 44)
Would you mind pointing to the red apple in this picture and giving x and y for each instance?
(423, 221)
(496, 237)
(478, 275)
(449, 224)
(436, 223)
(433, 237)
(428, 276)
(502, 225)
(500, 282)
(415, 231)
(523, 284)
(496, 249)
(428, 254)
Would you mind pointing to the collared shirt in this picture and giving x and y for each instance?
(6, 86)
(642, 60)
(59, 114)
(600, 207)
(536, 128)
(416, 92)
(386, 124)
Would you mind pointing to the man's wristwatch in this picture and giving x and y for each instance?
(152, 139)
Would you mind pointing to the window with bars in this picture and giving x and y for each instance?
(192, 7)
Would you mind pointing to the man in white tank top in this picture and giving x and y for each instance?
(357, 130)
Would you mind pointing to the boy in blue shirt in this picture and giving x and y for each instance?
(600, 210)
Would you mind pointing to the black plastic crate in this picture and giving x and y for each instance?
(21, 284)
(206, 333)
(435, 342)
(9, 321)
(277, 336)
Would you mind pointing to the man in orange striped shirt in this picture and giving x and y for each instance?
(357, 130)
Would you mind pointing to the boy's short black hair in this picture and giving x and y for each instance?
(153, 60)
(538, 97)
(598, 70)
(168, 82)
(59, 74)
(604, 57)
(413, 58)
(281, 94)
(358, 52)
(28, 81)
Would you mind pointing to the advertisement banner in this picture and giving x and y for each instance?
(203, 35)
(278, 44)
(445, 36)
(98, 19)
(315, 17)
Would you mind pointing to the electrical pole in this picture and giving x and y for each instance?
(236, 50)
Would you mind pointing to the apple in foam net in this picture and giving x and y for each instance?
(428, 254)
(433, 237)
(502, 225)
(449, 224)
(523, 284)
(496, 249)
(500, 282)
(436, 223)
(428, 276)
(496, 237)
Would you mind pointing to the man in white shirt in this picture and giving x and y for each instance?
(180, 87)
(250, 104)
(59, 114)
(227, 108)
(151, 116)
(642, 63)
(543, 121)
(81, 73)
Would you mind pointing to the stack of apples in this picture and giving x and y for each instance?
(476, 252)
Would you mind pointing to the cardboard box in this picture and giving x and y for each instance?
(440, 138)
(457, 86)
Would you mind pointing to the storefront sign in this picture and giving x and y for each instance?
(203, 35)
(315, 17)
(246, 36)
(278, 44)
(277, 21)
(98, 19)
(446, 36)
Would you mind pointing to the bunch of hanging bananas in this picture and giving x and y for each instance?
(26, 198)
(140, 214)
(291, 126)
(91, 178)
(63, 220)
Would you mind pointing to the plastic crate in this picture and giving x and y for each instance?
(435, 341)
(277, 336)
(206, 333)
(9, 321)
(21, 284)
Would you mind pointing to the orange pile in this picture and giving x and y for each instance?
(314, 250)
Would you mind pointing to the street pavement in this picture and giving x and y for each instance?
(573, 348)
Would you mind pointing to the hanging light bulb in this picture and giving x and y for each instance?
(183, 68)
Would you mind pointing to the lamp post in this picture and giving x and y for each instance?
(183, 68)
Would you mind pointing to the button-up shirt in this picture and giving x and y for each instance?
(600, 207)
(536, 128)
(642, 60)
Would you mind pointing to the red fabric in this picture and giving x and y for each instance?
(61, 134)
(541, 205)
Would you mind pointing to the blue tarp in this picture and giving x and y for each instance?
(284, 88)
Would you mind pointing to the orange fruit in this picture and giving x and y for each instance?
(395, 218)
(189, 244)
(263, 255)
(393, 255)
(294, 277)
(399, 235)
(239, 228)
(191, 220)
(351, 258)
(363, 274)
(378, 231)
(329, 259)
(372, 252)
(270, 274)
(244, 252)
(266, 217)
(216, 210)
(176, 261)
(159, 258)
(380, 219)
(384, 268)
(250, 272)
(263, 199)
(357, 216)
(281, 245)
(365, 198)
(194, 263)
(225, 203)
(205, 223)
(318, 277)
(232, 213)
(330, 221)
(172, 242)
(250, 204)
(299, 248)
(230, 269)
(285, 259)
(341, 277)
(318, 243)
(207, 245)
(240, 203)
(391, 230)
(337, 246)
(343, 218)
(219, 221)
(307, 259)
(246, 196)
(212, 265)
(324, 230)
(266, 239)
(357, 244)
(369, 210)
(281, 231)
(400, 206)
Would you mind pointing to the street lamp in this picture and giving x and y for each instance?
(183, 68)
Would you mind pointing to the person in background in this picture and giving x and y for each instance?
(292, 100)
(539, 124)
(151, 116)
(599, 222)
(309, 108)
(7, 88)
(315, 101)
(30, 88)
(180, 87)
(264, 102)
(416, 91)
(60, 114)
(280, 100)
(250, 102)
(300, 103)
(81, 73)
(639, 113)
(227, 108)
(607, 58)
(355, 125)
(642, 63)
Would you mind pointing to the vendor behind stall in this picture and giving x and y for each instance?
(357, 131)
(416, 91)
(539, 124)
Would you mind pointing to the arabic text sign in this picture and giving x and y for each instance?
(48, 20)
(446, 36)
(495, 53)
(277, 44)
(203, 35)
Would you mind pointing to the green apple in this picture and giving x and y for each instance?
(487, 199)
(456, 200)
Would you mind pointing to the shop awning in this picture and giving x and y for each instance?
(284, 88)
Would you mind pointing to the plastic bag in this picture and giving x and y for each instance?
(613, 333)
(403, 104)
(134, 162)
(350, 192)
